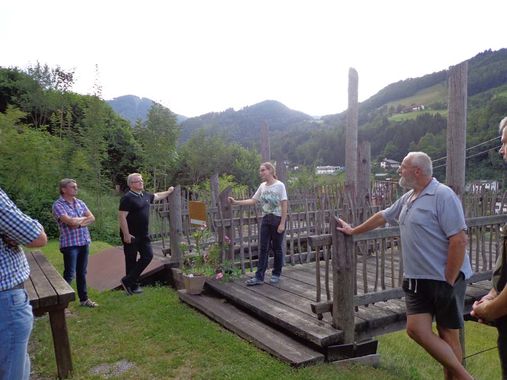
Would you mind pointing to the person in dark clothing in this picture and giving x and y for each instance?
(493, 306)
(134, 215)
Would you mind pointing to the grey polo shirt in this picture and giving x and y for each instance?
(425, 227)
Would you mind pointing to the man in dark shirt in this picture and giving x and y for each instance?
(134, 215)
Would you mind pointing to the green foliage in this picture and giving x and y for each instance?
(203, 155)
(225, 180)
(158, 140)
(304, 179)
(28, 177)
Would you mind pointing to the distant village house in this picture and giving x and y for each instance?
(329, 170)
(388, 164)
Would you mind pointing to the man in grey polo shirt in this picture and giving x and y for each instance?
(433, 241)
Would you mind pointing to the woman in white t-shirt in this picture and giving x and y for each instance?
(272, 196)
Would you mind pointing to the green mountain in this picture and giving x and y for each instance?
(134, 108)
(243, 126)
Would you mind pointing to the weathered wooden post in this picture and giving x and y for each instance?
(456, 139)
(215, 190)
(363, 179)
(227, 221)
(281, 170)
(351, 134)
(281, 173)
(175, 226)
(456, 128)
(265, 147)
(343, 283)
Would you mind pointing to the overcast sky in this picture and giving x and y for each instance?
(199, 56)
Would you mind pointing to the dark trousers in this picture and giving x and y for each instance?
(270, 238)
(501, 325)
(133, 266)
(75, 262)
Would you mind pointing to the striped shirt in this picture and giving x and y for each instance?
(20, 228)
(71, 236)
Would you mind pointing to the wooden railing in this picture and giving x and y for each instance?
(309, 215)
(348, 261)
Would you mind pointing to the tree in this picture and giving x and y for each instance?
(158, 140)
(31, 162)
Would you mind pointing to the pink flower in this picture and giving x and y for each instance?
(219, 276)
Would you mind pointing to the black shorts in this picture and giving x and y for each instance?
(438, 298)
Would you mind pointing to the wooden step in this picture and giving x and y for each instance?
(253, 330)
(293, 321)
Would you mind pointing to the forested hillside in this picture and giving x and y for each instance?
(393, 129)
(134, 108)
(387, 116)
(47, 133)
(244, 125)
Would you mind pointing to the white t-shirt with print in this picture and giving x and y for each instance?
(271, 197)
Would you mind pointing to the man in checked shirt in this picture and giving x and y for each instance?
(16, 317)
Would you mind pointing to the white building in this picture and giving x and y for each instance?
(389, 164)
(329, 170)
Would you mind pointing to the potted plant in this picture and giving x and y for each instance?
(197, 265)
(201, 261)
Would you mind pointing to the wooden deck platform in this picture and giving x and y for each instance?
(286, 308)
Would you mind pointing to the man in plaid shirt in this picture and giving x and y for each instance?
(16, 317)
(73, 219)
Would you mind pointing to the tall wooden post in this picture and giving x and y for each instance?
(215, 190)
(456, 128)
(343, 283)
(226, 215)
(175, 226)
(351, 134)
(265, 147)
(456, 139)
(363, 178)
(281, 173)
(281, 170)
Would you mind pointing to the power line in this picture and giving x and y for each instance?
(473, 155)
(467, 149)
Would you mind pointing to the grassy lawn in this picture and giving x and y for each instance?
(155, 336)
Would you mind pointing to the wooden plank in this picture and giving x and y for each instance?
(298, 273)
(254, 331)
(32, 294)
(64, 291)
(290, 300)
(298, 323)
(45, 293)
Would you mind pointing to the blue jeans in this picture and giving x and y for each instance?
(133, 266)
(270, 238)
(75, 262)
(16, 321)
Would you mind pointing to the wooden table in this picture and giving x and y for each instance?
(50, 293)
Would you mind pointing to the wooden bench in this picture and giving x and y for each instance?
(50, 293)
